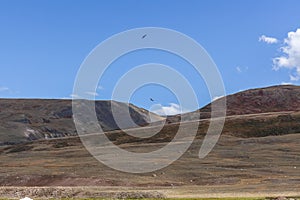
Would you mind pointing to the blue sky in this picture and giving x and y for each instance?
(43, 43)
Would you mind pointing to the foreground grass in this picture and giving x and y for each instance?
(227, 198)
(165, 199)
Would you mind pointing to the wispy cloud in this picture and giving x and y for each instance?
(85, 95)
(217, 97)
(286, 83)
(100, 87)
(269, 40)
(171, 109)
(3, 89)
(294, 77)
(74, 96)
(290, 57)
(240, 69)
(92, 93)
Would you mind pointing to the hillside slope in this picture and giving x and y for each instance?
(31, 119)
(262, 100)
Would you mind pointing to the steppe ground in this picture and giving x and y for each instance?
(237, 167)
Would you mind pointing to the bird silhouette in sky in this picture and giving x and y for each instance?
(151, 99)
(144, 36)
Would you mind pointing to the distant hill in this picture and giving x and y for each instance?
(262, 100)
(31, 119)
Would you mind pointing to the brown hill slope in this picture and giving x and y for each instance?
(262, 100)
(31, 119)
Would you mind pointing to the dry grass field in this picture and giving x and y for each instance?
(238, 166)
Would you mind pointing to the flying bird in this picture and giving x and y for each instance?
(144, 36)
(151, 99)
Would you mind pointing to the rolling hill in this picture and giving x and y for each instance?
(31, 119)
(253, 101)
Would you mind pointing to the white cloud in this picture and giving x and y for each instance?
(100, 87)
(241, 69)
(269, 40)
(286, 83)
(217, 97)
(294, 78)
(74, 96)
(172, 109)
(92, 93)
(291, 55)
(3, 89)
